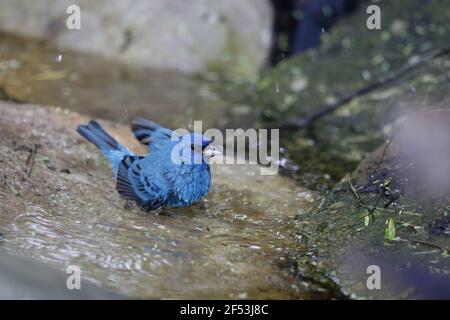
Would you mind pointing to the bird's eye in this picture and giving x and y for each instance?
(196, 148)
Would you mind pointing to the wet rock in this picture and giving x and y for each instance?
(231, 37)
(392, 212)
(237, 242)
(101, 88)
(22, 278)
(351, 58)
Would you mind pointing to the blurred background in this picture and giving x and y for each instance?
(339, 92)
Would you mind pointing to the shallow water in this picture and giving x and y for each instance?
(237, 243)
(224, 250)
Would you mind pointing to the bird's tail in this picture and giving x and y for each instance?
(98, 136)
(109, 146)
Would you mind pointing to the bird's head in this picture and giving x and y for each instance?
(200, 148)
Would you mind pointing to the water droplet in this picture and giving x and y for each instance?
(366, 75)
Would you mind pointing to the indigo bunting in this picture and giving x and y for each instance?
(162, 177)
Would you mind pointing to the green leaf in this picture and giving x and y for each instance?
(389, 234)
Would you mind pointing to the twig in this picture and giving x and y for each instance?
(387, 210)
(353, 189)
(304, 122)
(31, 159)
(426, 243)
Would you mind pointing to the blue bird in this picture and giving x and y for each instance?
(175, 173)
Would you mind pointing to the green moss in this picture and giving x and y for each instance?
(352, 57)
(338, 231)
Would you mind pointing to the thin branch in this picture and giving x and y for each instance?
(426, 243)
(31, 159)
(306, 121)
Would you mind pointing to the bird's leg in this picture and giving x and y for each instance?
(201, 206)
(128, 205)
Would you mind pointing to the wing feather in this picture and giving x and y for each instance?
(134, 184)
(147, 131)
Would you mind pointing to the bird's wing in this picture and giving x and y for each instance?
(133, 184)
(147, 131)
(189, 183)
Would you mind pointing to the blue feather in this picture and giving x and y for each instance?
(155, 180)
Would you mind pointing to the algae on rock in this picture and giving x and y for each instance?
(392, 212)
(350, 58)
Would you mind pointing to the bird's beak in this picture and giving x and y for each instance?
(212, 151)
